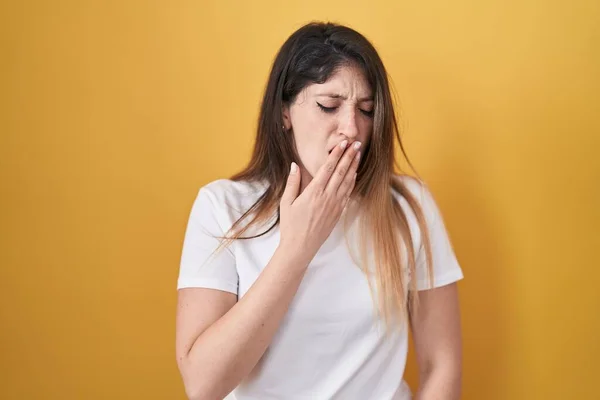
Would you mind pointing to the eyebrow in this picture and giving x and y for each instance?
(339, 96)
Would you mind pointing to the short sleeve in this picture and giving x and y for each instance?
(200, 266)
(446, 268)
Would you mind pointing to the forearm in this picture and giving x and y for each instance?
(230, 348)
(440, 383)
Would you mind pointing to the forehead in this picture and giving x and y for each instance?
(346, 81)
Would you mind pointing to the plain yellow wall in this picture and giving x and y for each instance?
(115, 113)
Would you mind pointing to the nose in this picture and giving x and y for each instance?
(349, 124)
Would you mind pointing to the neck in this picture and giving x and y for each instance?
(306, 178)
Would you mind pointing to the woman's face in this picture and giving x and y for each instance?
(323, 115)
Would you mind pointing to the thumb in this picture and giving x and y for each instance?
(292, 187)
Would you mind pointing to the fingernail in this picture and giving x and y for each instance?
(294, 168)
(344, 144)
(357, 145)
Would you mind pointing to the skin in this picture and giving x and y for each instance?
(349, 100)
(436, 329)
(438, 344)
(219, 339)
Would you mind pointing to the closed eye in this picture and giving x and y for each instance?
(330, 110)
(326, 109)
(367, 113)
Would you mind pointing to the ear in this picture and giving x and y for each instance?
(287, 120)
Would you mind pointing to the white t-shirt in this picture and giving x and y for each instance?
(328, 345)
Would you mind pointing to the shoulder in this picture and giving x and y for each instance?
(420, 192)
(409, 185)
(231, 198)
(226, 189)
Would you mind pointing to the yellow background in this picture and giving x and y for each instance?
(113, 114)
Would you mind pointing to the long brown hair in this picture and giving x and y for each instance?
(311, 55)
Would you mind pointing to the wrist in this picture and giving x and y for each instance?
(294, 254)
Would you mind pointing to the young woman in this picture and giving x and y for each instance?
(300, 275)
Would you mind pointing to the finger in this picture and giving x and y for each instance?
(350, 189)
(352, 185)
(350, 176)
(342, 168)
(292, 186)
(322, 176)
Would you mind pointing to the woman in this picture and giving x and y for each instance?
(296, 281)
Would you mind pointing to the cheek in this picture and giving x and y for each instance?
(312, 152)
(366, 129)
(311, 132)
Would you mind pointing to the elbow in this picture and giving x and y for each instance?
(193, 393)
(451, 373)
(441, 380)
(448, 364)
(196, 388)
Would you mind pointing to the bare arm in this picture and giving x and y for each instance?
(438, 344)
(220, 341)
